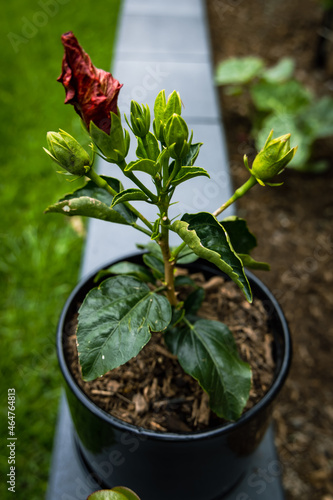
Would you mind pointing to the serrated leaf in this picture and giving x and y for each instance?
(129, 268)
(147, 166)
(93, 201)
(238, 70)
(151, 151)
(286, 97)
(207, 351)
(115, 321)
(186, 173)
(207, 238)
(131, 194)
(242, 240)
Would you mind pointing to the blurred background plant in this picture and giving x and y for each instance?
(279, 101)
(40, 256)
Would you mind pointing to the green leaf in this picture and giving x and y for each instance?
(117, 493)
(238, 70)
(317, 119)
(186, 173)
(102, 141)
(193, 302)
(288, 97)
(253, 264)
(93, 201)
(153, 248)
(115, 321)
(131, 194)
(184, 280)
(151, 151)
(242, 240)
(155, 264)
(207, 351)
(147, 166)
(281, 72)
(186, 256)
(129, 268)
(207, 238)
(192, 154)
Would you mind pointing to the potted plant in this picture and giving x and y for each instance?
(156, 297)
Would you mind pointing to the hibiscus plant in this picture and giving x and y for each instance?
(118, 317)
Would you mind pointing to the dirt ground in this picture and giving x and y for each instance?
(293, 225)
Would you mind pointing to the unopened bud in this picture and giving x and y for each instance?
(273, 158)
(176, 135)
(140, 119)
(68, 153)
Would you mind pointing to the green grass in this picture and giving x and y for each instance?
(40, 254)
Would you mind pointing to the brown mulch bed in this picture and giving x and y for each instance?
(293, 224)
(152, 390)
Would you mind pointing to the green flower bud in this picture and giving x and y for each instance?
(273, 158)
(140, 119)
(176, 135)
(163, 110)
(68, 153)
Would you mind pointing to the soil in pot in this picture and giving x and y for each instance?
(152, 391)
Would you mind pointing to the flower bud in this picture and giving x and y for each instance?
(163, 110)
(273, 158)
(68, 153)
(176, 135)
(140, 119)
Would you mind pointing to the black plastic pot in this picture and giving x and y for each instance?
(197, 466)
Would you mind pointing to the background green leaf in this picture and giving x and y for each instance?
(238, 70)
(287, 97)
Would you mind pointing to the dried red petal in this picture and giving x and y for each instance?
(93, 92)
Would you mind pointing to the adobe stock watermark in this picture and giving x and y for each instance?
(31, 25)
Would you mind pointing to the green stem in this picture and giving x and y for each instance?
(142, 229)
(165, 248)
(177, 167)
(177, 250)
(252, 181)
(100, 182)
(136, 181)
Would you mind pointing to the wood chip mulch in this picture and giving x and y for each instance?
(152, 390)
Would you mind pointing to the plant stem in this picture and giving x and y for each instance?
(136, 181)
(252, 181)
(165, 248)
(100, 182)
(177, 250)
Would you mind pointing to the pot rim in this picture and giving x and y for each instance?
(173, 436)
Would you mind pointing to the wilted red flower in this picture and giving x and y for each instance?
(93, 92)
